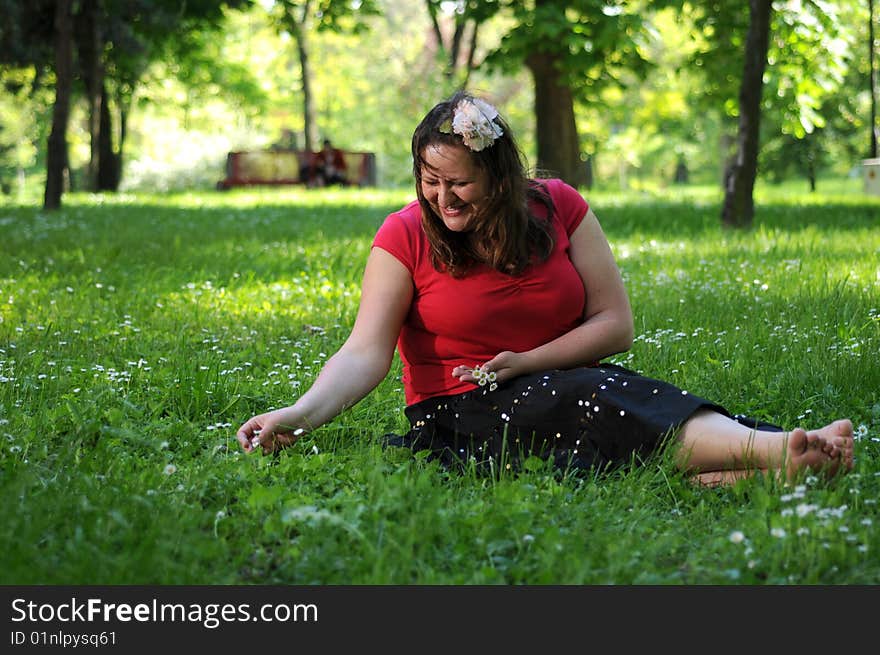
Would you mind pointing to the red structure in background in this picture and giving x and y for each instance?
(277, 167)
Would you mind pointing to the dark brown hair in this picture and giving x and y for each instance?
(505, 227)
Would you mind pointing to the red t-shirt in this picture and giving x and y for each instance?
(469, 320)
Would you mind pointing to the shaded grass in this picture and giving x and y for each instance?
(137, 332)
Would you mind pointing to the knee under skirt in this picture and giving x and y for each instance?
(587, 418)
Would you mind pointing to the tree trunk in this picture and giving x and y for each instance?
(469, 66)
(811, 157)
(435, 24)
(726, 156)
(309, 129)
(118, 155)
(89, 46)
(298, 32)
(56, 155)
(107, 176)
(682, 174)
(556, 134)
(455, 46)
(452, 51)
(739, 206)
(872, 76)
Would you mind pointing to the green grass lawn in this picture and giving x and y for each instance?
(138, 332)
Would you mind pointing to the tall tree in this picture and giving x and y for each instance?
(872, 79)
(810, 51)
(89, 47)
(573, 50)
(57, 146)
(133, 34)
(114, 41)
(29, 40)
(815, 60)
(739, 207)
(297, 18)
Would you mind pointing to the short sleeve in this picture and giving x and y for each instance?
(570, 205)
(399, 235)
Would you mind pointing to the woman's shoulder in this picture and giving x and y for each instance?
(560, 191)
(569, 206)
(407, 219)
(409, 213)
(556, 188)
(401, 234)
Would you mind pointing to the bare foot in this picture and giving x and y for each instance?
(838, 440)
(827, 450)
(812, 451)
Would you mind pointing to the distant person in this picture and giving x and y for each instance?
(503, 297)
(329, 166)
(286, 142)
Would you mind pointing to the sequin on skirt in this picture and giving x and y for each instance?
(583, 418)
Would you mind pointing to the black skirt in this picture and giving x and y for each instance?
(583, 418)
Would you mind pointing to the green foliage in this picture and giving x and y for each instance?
(457, 46)
(23, 125)
(137, 332)
(643, 130)
(26, 33)
(813, 46)
(199, 62)
(332, 15)
(833, 127)
(656, 83)
(598, 42)
(179, 139)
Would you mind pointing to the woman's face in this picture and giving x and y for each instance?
(453, 185)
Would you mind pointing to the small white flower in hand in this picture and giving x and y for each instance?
(256, 440)
(484, 377)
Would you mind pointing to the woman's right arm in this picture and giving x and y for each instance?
(354, 370)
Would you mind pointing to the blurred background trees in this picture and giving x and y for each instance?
(618, 94)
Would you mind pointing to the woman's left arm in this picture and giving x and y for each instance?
(608, 323)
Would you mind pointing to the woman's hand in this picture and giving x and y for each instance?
(270, 431)
(506, 365)
(354, 370)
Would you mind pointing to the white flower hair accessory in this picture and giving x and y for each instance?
(474, 120)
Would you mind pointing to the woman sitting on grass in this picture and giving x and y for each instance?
(503, 298)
